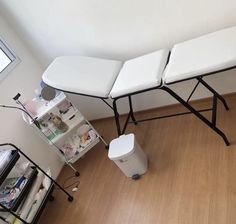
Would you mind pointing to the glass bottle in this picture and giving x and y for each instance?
(57, 121)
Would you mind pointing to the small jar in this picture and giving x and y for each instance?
(57, 121)
(46, 130)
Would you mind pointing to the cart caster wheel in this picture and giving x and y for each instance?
(51, 198)
(70, 198)
(136, 177)
(106, 146)
(226, 106)
(77, 174)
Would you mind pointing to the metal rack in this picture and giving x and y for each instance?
(74, 121)
(16, 153)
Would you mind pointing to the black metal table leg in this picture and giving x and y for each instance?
(117, 119)
(214, 110)
(200, 116)
(131, 110)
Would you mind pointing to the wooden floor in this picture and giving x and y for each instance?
(191, 177)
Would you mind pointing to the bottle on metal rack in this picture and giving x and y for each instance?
(46, 130)
(57, 121)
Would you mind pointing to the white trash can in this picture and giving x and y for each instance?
(128, 156)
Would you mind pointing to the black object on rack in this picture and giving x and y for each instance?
(15, 154)
(8, 166)
(25, 190)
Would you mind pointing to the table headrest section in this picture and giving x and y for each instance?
(82, 75)
(140, 73)
(200, 56)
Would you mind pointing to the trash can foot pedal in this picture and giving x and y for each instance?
(136, 176)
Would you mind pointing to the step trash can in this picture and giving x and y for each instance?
(128, 156)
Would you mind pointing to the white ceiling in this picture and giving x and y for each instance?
(117, 29)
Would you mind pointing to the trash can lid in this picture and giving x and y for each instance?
(121, 147)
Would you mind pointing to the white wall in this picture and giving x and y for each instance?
(120, 30)
(23, 79)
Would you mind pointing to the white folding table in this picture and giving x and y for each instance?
(104, 78)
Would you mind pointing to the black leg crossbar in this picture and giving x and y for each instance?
(170, 115)
(221, 98)
(211, 124)
(194, 89)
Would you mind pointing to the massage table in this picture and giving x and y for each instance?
(105, 78)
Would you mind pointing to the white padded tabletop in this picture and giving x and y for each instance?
(199, 56)
(140, 73)
(82, 75)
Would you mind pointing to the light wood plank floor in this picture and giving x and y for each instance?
(191, 177)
